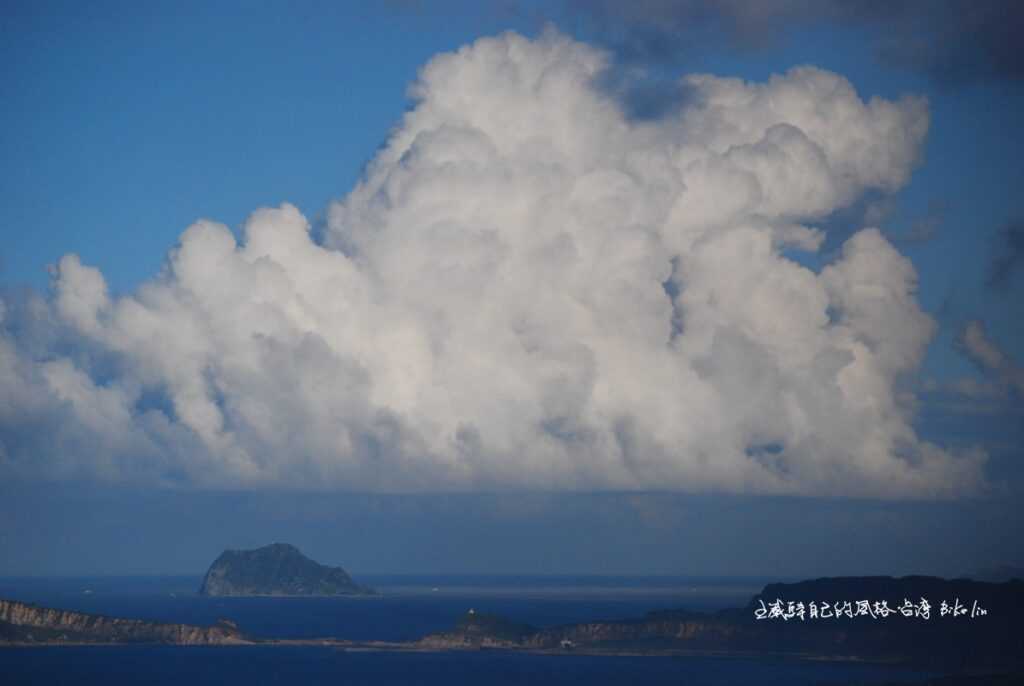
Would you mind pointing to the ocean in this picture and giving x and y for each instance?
(409, 607)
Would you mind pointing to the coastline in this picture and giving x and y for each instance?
(344, 645)
(733, 633)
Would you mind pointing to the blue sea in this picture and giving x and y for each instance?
(409, 607)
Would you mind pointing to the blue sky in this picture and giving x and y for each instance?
(123, 124)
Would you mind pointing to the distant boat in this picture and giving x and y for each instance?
(435, 588)
(87, 591)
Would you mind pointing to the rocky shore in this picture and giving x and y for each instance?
(23, 623)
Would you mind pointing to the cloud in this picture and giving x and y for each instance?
(991, 358)
(953, 41)
(528, 289)
(1008, 256)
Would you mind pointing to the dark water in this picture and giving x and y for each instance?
(409, 607)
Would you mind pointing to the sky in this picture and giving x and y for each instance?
(570, 287)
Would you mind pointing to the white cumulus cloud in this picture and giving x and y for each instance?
(527, 289)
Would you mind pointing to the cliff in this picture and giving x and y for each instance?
(278, 569)
(25, 623)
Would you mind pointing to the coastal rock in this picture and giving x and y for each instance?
(26, 623)
(278, 569)
(476, 630)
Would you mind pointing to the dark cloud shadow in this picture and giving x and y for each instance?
(1007, 255)
(954, 42)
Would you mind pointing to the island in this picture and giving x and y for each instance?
(929, 622)
(279, 569)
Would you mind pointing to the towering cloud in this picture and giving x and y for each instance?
(527, 289)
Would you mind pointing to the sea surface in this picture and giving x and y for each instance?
(409, 607)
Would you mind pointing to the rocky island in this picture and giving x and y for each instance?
(278, 569)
